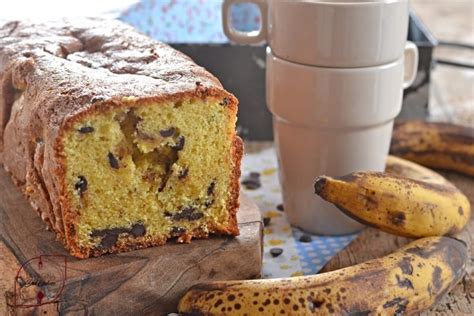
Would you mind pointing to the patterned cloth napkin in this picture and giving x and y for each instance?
(189, 21)
(298, 257)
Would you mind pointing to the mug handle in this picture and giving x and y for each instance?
(410, 64)
(254, 37)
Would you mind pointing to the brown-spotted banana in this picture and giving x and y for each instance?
(426, 204)
(436, 145)
(410, 280)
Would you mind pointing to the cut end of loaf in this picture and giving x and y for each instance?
(137, 175)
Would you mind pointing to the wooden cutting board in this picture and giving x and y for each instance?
(372, 243)
(148, 281)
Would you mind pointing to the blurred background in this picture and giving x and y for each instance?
(443, 31)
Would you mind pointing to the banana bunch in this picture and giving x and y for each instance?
(407, 281)
(437, 145)
(407, 200)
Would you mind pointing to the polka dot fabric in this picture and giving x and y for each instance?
(189, 21)
(315, 254)
(298, 257)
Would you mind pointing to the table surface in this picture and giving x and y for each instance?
(452, 88)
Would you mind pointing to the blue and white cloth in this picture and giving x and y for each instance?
(189, 21)
(298, 258)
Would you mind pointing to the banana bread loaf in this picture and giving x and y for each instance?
(118, 141)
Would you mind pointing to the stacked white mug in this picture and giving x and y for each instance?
(336, 70)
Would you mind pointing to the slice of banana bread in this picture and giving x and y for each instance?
(118, 141)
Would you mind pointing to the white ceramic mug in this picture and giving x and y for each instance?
(331, 121)
(328, 33)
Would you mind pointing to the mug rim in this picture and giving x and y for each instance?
(383, 66)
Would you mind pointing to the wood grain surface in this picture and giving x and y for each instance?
(372, 243)
(451, 91)
(148, 281)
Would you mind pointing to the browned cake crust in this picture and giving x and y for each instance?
(65, 69)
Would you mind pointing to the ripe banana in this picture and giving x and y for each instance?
(407, 281)
(437, 145)
(425, 206)
(407, 169)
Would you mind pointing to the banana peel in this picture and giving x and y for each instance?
(426, 204)
(407, 281)
(435, 145)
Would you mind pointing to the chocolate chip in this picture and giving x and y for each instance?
(198, 83)
(275, 252)
(305, 238)
(108, 241)
(111, 231)
(180, 144)
(266, 221)
(208, 203)
(86, 130)
(210, 188)
(254, 174)
(225, 101)
(138, 230)
(183, 174)
(188, 213)
(113, 161)
(168, 214)
(81, 185)
(252, 181)
(251, 185)
(109, 236)
(168, 132)
(280, 207)
(176, 231)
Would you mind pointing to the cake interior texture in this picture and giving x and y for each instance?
(150, 172)
(118, 141)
